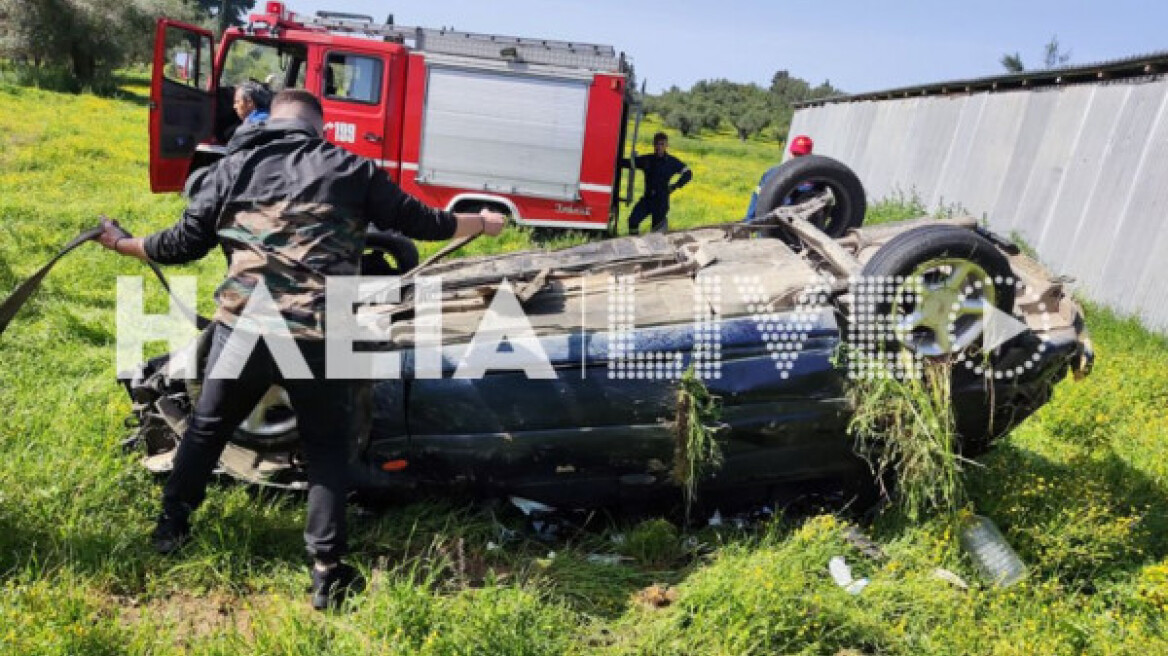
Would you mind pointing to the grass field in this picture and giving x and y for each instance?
(1081, 489)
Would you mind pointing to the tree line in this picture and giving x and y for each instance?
(746, 108)
(85, 40)
(749, 109)
(1053, 56)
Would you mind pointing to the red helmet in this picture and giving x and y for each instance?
(802, 145)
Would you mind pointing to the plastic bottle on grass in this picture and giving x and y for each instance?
(994, 557)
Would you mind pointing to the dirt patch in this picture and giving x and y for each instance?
(656, 596)
(192, 617)
(449, 565)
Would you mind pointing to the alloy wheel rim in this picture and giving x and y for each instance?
(272, 416)
(942, 309)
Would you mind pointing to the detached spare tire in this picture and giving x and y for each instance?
(946, 279)
(804, 176)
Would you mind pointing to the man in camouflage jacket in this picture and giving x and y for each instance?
(288, 210)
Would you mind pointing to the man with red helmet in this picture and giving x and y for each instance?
(800, 146)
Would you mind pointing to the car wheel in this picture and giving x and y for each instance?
(947, 278)
(811, 174)
(386, 245)
(271, 425)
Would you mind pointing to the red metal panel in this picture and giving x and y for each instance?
(598, 170)
(169, 173)
(395, 95)
(413, 106)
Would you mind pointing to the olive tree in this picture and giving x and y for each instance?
(88, 38)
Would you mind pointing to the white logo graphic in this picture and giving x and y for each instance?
(890, 325)
(784, 332)
(998, 328)
(626, 358)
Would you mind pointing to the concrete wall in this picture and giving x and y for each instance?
(1081, 172)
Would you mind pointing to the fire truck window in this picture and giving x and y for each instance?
(278, 66)
(188, 58)
(353, 78)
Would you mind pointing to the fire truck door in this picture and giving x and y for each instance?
(354, 91)
(182, 97)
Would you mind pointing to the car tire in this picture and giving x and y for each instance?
(851, 202)
(271, 426)
(276, 433)
(395, 246)
(955, 266)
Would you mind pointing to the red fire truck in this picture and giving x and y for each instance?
(531, 127)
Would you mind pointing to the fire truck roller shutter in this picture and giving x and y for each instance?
(501, 132)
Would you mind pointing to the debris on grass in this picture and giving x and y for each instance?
(697, 451)
(864, 544)
(841, 573)
(905, 429)
(545, 521)
(529, 507)
(608, 559)
(950, 577)
(743, 520)
(656, 596)
(995, 559)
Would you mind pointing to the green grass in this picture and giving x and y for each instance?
(697, 453)
(1080, 490)
(906, 430)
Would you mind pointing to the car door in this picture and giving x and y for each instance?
(353, 92)
(584, 435)
(182, 97)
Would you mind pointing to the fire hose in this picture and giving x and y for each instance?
(17, 299)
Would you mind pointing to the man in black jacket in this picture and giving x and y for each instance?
(288, 209)
(659, 168)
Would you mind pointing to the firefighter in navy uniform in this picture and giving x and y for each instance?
(660, 169)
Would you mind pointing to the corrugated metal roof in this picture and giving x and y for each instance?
(1151, 64)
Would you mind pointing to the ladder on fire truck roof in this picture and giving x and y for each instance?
(470, 44)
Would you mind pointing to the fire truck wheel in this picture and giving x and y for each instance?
(812, 174)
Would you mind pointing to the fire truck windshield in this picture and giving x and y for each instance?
(279, 66)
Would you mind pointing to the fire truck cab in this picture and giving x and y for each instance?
(531, 127)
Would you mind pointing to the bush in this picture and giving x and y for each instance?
(57, 78)
(654, 544)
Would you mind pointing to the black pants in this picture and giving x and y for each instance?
(656, 206)
(324, 415)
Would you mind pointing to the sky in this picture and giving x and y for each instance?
(859, 45)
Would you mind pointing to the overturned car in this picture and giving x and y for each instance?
(760, 313)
